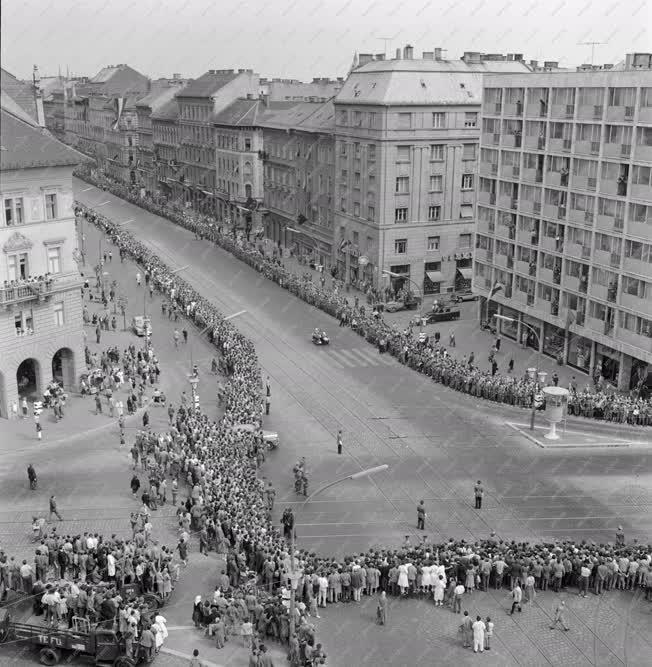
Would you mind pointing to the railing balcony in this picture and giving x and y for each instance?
(530, 300)
(522, 267)
(590, 111)
(620, 113)
(643, 153)
(580, 319)
(18, 294)
(514, 109)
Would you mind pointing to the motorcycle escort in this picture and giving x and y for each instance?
(320, 338)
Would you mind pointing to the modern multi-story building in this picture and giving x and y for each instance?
(40, 298)
(407, 135)
(162, 91)
(199, 102)
(299, 154)
(564, 229)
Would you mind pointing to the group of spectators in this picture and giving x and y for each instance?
(431, 357)
(229, 509)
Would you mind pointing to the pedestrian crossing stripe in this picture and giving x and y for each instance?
(357, 360)
(358, 357)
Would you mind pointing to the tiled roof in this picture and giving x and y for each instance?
(21, 93)
(308, 116)
(158, 98)
(421, 82)
(9, 104)
(105, 74)
(207, 84)
(169, 111)
(26, 145)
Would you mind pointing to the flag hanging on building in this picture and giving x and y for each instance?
(495, 289)
(119, 106)
(344, 245)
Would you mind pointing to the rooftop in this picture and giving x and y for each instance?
(422, 82)
(306, 116)
(208, 84)
(168, 111)
(21, 93)
(25, 145)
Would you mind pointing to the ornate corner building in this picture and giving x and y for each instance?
(40, 297)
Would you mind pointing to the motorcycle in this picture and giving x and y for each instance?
(320, 338)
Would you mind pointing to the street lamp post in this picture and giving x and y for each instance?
(294, 575)
(405, 276)
(536, 380)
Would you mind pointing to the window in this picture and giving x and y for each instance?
(51, 207)
(403, 153)
(58, 314)
(439, 120)
(470, 119)
(636, 287)
(357, 118)
(343, 205)
(17, 266)
(247, 144)
(356, 149)
(402, 184)
(469, 152)
(356, 209)
(400, 215)
(24, 323)
(400, 246)
(371, 213)
(466, 211)
(404, 121)
(342, 117)
(343, 149)
(436, 183)
(356, 179)
(14, 211)
(54, 259)
(437, 152)
(371, 152)
(464, 241)
(467, 182)
(433, 243)
(434, 213)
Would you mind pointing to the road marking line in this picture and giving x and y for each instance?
(103, 203)
(356, 360)
(87, 189)
(341, 358)
(373, 359)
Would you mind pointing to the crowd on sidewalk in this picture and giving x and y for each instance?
(229, 509)
(431, 357)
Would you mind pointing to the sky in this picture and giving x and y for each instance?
(303, 39)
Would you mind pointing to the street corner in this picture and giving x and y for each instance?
(573, 437)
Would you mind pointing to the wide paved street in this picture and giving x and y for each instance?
(437, 443)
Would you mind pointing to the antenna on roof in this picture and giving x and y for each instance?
(592, 45)
(386, 40)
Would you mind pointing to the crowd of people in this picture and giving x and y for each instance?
(422, 353)
(229, 509)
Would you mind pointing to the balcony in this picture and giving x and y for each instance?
(587, 147)
(502, 261)
(509, 171)
(640, 229)
(537, 143)
(621, 114)
(554, 211)
(491, 139)
(536, 110)
(530, 300)
(580, 319)
(633, 339)
(641, 192)
(645, 115)
(562, 110)
(522, 268)
(584, 183)
(614, 187)
(617, 150)
(639, 306)
(487, 198)
(39, 291)
(545, 274)
(489, 169)
(492, 108)
(590, 111)
(582, 217)
(643, 153)
(514, 109)
(20, 294)
(636, 266)
(529, 206)
(482, 255)
(533, 175)
(548, 243)
(514, 140)
(505, 201)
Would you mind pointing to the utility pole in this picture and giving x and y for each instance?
(592, 45)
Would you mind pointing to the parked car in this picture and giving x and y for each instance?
(141, 325)
(458, 297)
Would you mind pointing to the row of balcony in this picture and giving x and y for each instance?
(38, 291)
(541, 109)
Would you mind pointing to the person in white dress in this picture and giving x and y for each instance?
(160, 631)
(439, 588)
(426, 577)
(403, 582)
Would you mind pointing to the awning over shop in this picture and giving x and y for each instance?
(435, 276)
(465, 272)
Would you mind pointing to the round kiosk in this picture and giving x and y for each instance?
(556, 401)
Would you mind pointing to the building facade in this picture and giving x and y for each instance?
(564, 229)
(40, 298)
(299, 154)
(199, 102)
(165, 159)
(407, 135)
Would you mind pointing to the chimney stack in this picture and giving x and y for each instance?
(408, 52)
(365, 58)
(380, 56)
(427, 55)
(437, 53)
(38, 98)
(534, 64)
(398, 54)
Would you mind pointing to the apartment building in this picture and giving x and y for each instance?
(299, 162)
(199, 102)
(40, 299)
(407, 132)
(564, 215)
(165, 147)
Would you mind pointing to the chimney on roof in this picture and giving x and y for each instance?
(510, 57)
(551, 64)
(38, 97)
(408, 52)
(518, 57)
(380, 56)
(427, 55)
(365, 58)
(534, 64)
(398, 54)
(437, 53)
(471, 57)
(608, 66)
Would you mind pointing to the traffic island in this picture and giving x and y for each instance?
(571, 437)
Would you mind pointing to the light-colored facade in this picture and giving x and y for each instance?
(40, 298)
(407, 135)
(565, 215)
(165, 141)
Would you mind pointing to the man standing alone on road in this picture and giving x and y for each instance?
(54, 509)
(421, 516)
(560, 616)
(479, 492)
